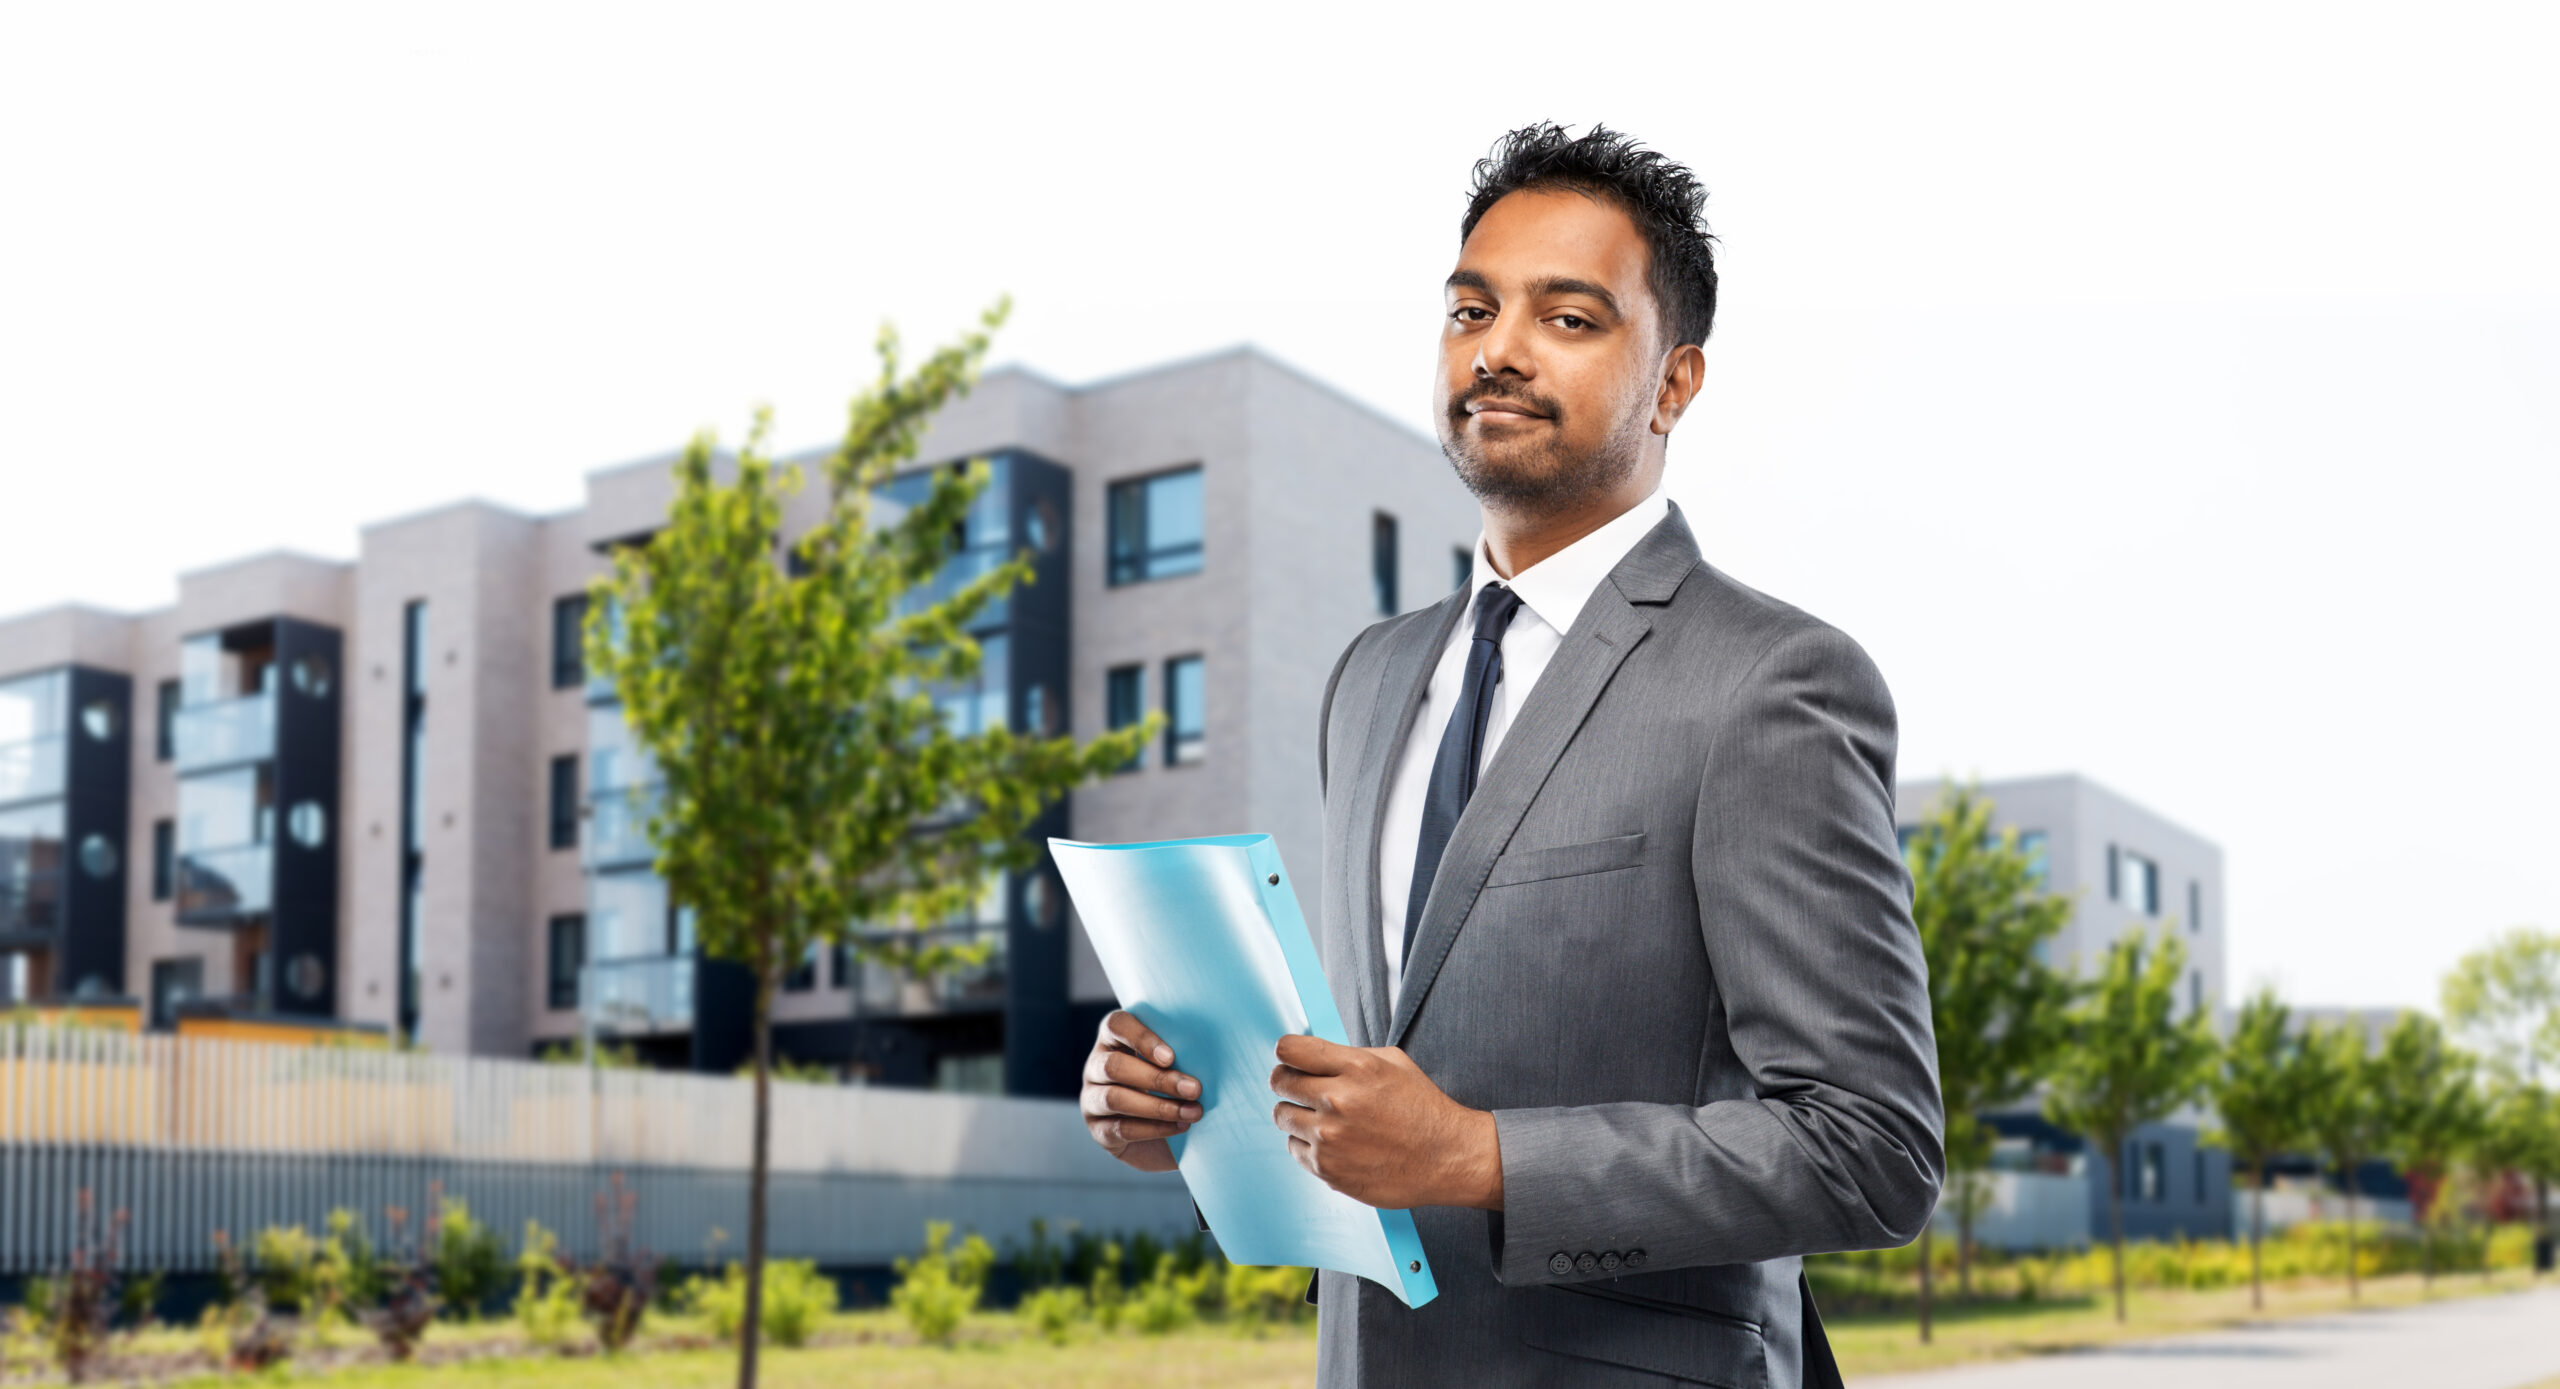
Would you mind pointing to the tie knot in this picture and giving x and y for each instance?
(1495, 607)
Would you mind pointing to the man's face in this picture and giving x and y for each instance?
(1550, 356)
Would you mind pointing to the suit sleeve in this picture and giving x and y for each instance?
(1823, 996)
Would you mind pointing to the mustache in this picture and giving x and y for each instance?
(1527, 400)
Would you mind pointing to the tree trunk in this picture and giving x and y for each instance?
(2115, 1223)
(1926, 1232)
(751, 1324)
(2354, 1288)
(2257, 1232)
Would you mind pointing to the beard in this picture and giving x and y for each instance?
(1538, 475)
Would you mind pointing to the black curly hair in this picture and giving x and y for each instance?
(1666, 201)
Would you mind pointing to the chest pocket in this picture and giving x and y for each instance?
(1567, 861)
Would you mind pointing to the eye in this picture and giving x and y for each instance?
(1470, 313)
(1573, 322)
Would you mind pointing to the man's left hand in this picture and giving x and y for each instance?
(1368, 1123)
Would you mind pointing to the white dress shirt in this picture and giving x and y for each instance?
(1552, 593)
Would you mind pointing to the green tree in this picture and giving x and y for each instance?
(2522, 1134)
(2504, 1000)
(2431, 1109)
(2128, 1059)
(811, 787)
(2257, 1092)
(1998, 1007)
(2342, 1111)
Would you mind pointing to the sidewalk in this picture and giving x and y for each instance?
(2502, 1342)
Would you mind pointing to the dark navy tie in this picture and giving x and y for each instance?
(1453, 771)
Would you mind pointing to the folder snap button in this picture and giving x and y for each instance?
(1586, 1262)
(1275, 880)
(1560, 1263)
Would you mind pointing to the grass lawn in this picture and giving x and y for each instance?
(874, 1347)
(1883, 1344)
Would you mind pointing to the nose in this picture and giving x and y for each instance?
(1503, 349)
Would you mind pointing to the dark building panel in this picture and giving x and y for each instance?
(96, 806)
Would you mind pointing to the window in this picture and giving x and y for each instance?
(569, 642)
(568, 956)
(1125, 703)
(174, 982)
(804, 976)
(2133, 881)
(1186, 693)
(564, 801)
(1382, 562)
(413, 816)
(164, 745)
(2150, 1169)
(2195, 993)
(1155, 527)
(2200, 1192)
(2195, 907)
(1462, 567)
(2033, 844)
(164, 856)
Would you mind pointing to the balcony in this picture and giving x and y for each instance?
(225, 732)
(32, 768)
(30, 907)
(617, 830)
(222, 887)
(889, 991)
(648, 993)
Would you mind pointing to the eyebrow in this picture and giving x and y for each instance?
(1541, 289)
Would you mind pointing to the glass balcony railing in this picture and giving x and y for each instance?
(885, 989)
(30, 904)
(963, 569)
(649, 993)
(219, 886)
(225, 731)
(32, 768)
(617, 831)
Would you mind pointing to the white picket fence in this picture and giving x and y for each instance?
(186, 1136)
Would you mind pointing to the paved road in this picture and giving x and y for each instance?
(2467, 1343)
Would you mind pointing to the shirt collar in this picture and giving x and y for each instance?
(1555, 588)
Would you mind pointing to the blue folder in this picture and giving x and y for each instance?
(1203, 940)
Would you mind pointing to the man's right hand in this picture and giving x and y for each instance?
(1126, 1081)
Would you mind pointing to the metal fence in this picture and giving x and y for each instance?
(189, 1136)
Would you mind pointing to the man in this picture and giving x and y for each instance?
(1613, 906)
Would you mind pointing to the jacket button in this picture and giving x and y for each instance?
(1635, 1258)
(1586, 1262)
(1560, 1263)
(1609, 1262)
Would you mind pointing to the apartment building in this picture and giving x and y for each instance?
(2126, 868)
(385, 792)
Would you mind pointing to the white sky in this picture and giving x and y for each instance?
(2166, 394)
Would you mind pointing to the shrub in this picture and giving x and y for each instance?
(1170, 1300)
(1110, 1295)
(74, 1310)
(470, 1260)
(1264, 1296)
(408, 1289)
(547, 1301)
(1052, 1313)
(280, 1260)
(238, 1330)
(796, 1296)
(938, 1289)
(346, 1274)
(619, 1287)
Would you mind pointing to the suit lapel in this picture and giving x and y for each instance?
(1608, 629)
(1402, 682)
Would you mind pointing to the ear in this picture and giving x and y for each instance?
(1683, 372)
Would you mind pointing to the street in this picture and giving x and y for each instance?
(2465, 1343)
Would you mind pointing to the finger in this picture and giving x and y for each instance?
(1120, 1068)
(1296, 1086)
(1297, 1121)
(1122, 1026)
(1315, 1055)
(1305, 1153)
(1098, 1100)
(1116, 1132)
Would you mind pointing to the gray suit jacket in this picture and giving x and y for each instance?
(1670, 947)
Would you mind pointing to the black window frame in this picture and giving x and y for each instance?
(1129, 557)
(564, 958)
(1385, 554)
(803, 977)
(569, 641)
(1183, 749)
(186, 969)
(1124, 704)
(164, 747)
(164, 860)
(564, 801)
